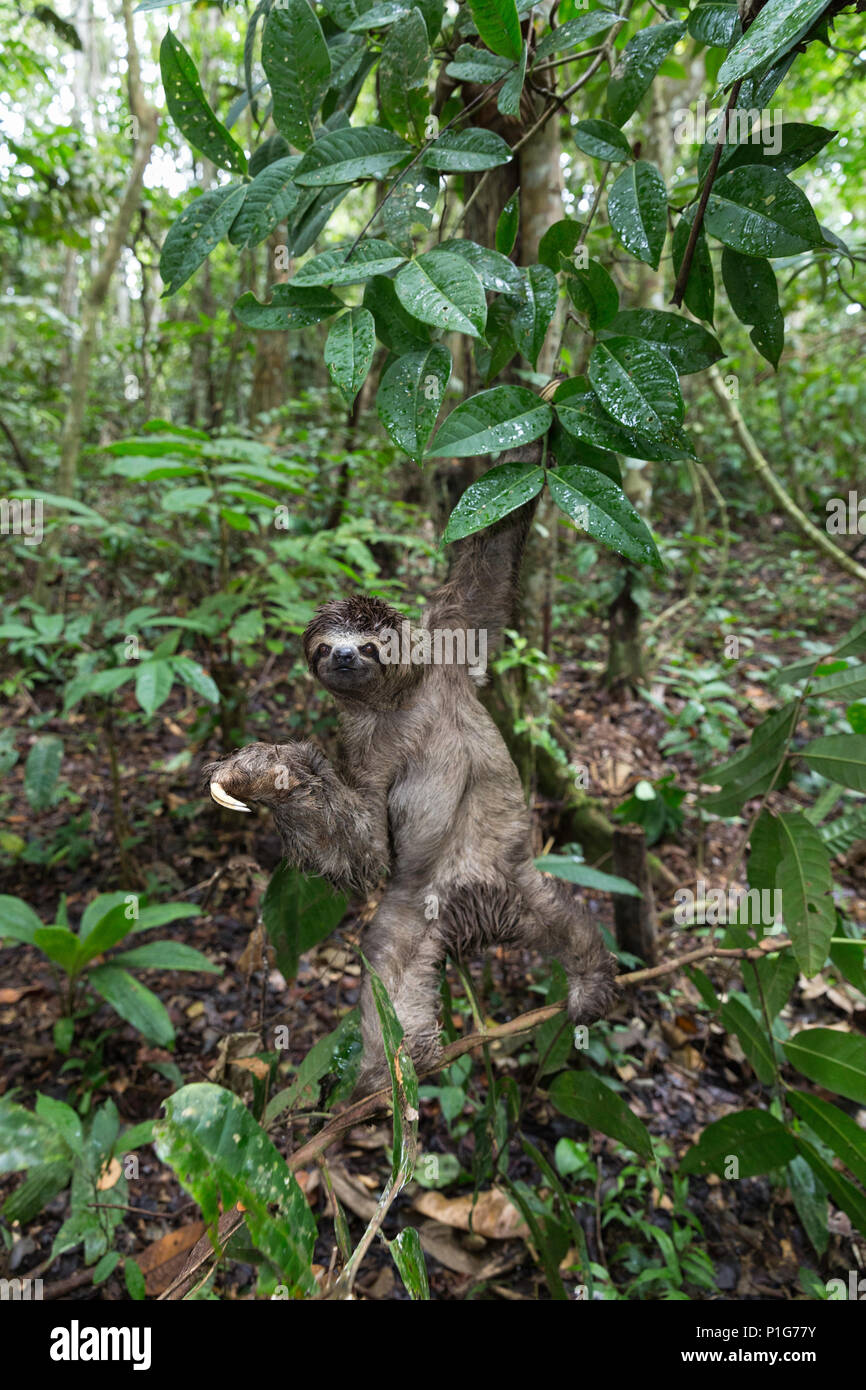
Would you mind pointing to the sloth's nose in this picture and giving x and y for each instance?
(344, 657)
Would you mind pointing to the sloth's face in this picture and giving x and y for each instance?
(348, 663)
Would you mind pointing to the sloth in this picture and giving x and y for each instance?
(424, 794)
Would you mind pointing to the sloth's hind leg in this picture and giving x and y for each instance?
(560, 926)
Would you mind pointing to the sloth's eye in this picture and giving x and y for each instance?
(369, 649)
(322, 649)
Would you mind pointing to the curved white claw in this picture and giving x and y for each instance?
(221, 796)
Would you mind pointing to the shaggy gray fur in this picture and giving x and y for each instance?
(424, 792)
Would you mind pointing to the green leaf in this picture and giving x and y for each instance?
(599, 507)
(298, 912)
(534, 308)
(348, 266)
(798, 143)
(323, 1057)
(271, 196)
(760, 212)
(753, 1037)
(471, 64)
(222, 1157)
(582, 1096)
(754, 1138)
(59, 945)
(846, 1196)
(98, 683)
(395, 326)
(495, 271)
(834, 1128)
(379, 16)
(810, 1200)
(840, 758)
(601, 140)
(573, 32)
(582, 416)
(310, 217)
(508, 225)
(499, 491)
(754, 298)
(136, 1004)
(153, 683)
(441, 289)
(511, 91)
(806, 881)
(18, 921)
(637, 385)
(354, 152)
(189, 109)
(291, 306)
(751, 770)
(408, 1256)
(42, 770)
(160, 914)
(111, 928)
(638, 64)
(404, 1082)
(841, 685)
(99, 908)
(559, 240)
(637, 206)
(197, 231)
(575, 871)
(297, 64)
(410, 395)
(503, 418)
(836, 1061)
(466, 151)
(493, 354)
(166, 955)
(42, 1184)
(843, 832)
(770, 981)
(275, 147)
(777, 28)
(64, 1120)
(594, 293)
(690, 346)
(498, 26)
(413, 202)
(714, 22)
(27, 1140)
(197, 679)
(349, 350)
(403, 69)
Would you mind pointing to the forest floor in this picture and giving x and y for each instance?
(675, 1065)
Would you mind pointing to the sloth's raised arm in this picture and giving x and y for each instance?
(483, 579)
(327, 827)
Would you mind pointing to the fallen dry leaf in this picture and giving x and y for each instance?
(162, 1261)
(493, 1215)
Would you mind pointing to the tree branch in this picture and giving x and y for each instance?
(759, 463)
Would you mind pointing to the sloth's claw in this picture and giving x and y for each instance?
(221, 796)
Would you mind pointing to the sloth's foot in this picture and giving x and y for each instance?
(592, 992)
(374, 1073)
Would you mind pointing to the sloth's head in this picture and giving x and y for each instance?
(352, 647)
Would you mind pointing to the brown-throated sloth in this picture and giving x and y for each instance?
(424, 792)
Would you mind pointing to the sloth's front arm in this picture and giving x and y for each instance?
(327, 827)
